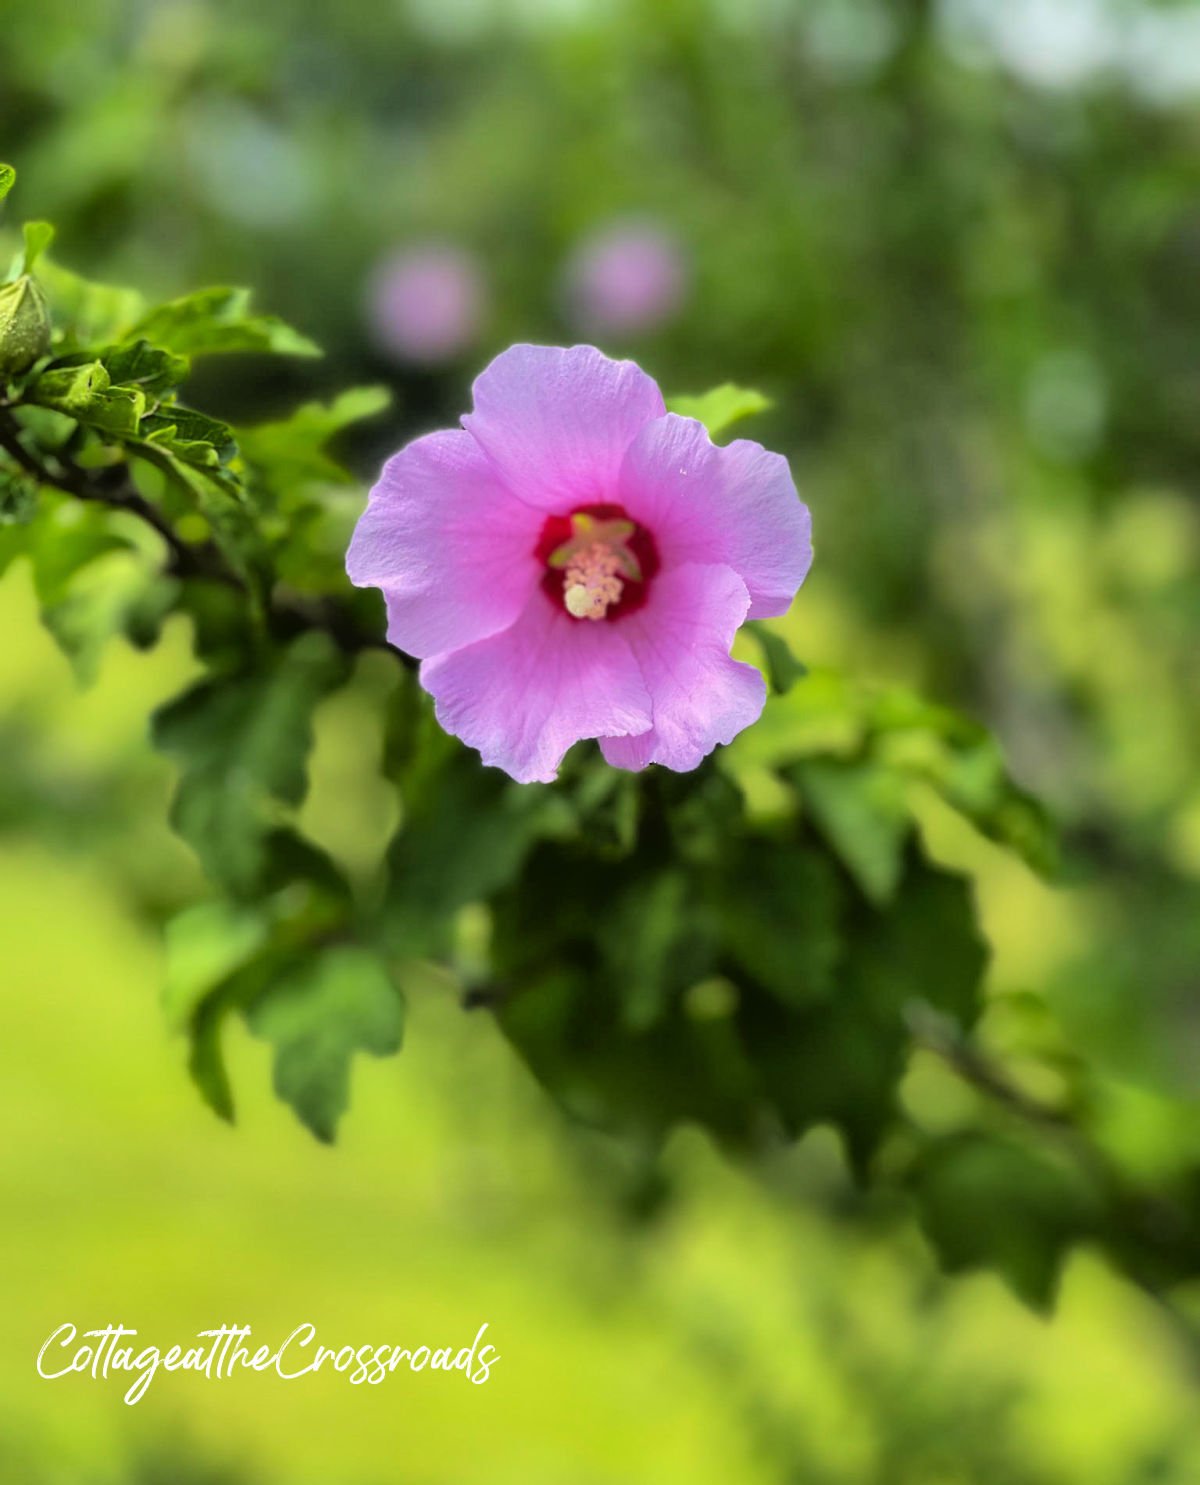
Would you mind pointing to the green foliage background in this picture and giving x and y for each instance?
(826, 1029)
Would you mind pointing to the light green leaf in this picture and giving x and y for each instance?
(863, 812)
(38, 237)
(8, 178)
(90, 584)
(205, 944)
(291, 453)
(721, 407)
(84, 392)
(212, 321)
(88, 312)
(70, 389)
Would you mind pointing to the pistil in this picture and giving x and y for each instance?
(592, 582)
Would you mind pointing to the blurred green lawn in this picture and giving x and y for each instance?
(739, 1337)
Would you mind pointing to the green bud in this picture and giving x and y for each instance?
(24, 326)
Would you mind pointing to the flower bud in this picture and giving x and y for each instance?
(24, 326)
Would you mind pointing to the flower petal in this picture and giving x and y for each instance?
(523, 697)
(681, 640)
(734, 504)
(452, 550)
(556, 423)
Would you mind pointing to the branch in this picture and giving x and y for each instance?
(939, 1035)
(113, 488)
(1149, 1221)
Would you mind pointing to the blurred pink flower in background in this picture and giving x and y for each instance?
(628, 276)
(426, 303)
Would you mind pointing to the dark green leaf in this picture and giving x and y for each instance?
(780, 906)
(206, 1061)
(986, 1202)
(139, 364)
(318, 1014)
(18, 497)
(243, 744)
(466, 830)
(191, 436)
(783, 669)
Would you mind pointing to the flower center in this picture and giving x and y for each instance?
(597, 562)
(592, 583)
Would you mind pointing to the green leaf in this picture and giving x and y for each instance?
(466, 832)
(212, 321)
(149, 368)
(65, 540)
(318, 1014)
(291, 452)
(18, 497)
(841, 1059)
(985, 1202)
(206, 1061)
(89, 313)
(38, 237)
(720, 408)
(191, 436)
(828, 715)
(205, 947)
(243, 743)
(91, 584)
(926, 948)
(205, 944)
(70, 389)
(863, 812)
(780, 909)
(965, 764)
(783, 669)
(8, 177)
(84, 392)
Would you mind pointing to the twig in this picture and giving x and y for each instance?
(113, 488)
(1157, 1224)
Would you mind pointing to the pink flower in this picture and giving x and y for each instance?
(575, 562)
(425, 304)
(626, 277)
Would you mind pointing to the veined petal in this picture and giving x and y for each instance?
(556, 423)
(451, 548)
(734, 504)
(681, 641)
(523, 697)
